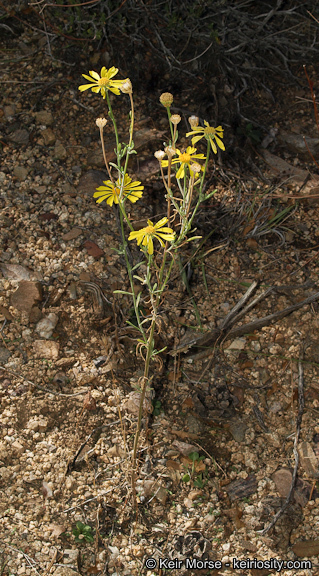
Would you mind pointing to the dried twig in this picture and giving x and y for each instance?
(232, 315)
(211, 337)
(88, 500)
(259, 418)
(48, 570)
(301, 406)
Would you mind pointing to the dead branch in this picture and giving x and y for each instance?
(217, 334)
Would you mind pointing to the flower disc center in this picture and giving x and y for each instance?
(149, 229)
(209, 131)
(185, 157)
(104, 81)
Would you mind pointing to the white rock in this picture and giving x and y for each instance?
(46, 326)
(225, 559)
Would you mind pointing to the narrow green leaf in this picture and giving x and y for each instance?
(139, 279)
(159, 351)
(138, 299)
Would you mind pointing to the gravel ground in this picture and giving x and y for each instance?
(68, 368)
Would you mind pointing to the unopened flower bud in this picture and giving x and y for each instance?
(193, 121)
(175, 119)
(195, 167)
(166, 99)
(101, 122)
(170, 151)
(159, 155)
(126, 87)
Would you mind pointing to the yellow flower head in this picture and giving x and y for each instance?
(212, 135)
(145, 235)
(102, 83)
(185, 159)
(112, 192)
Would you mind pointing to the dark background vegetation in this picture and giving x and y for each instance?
(227, 56)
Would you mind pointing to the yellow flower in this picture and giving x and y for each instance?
(102, 83)
(111, 192)
(145, 235)
(184, 159)
(210, 134)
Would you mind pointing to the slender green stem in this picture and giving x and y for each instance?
(204, 172)
(169, 175)
(170, 123)
(190, 221)
(111, 115)
(104, 155)
(129, 270)
(131, 134)
(167, 277)
(150, 348)
(126, 218)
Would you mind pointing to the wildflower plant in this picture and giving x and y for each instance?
(183, 173)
